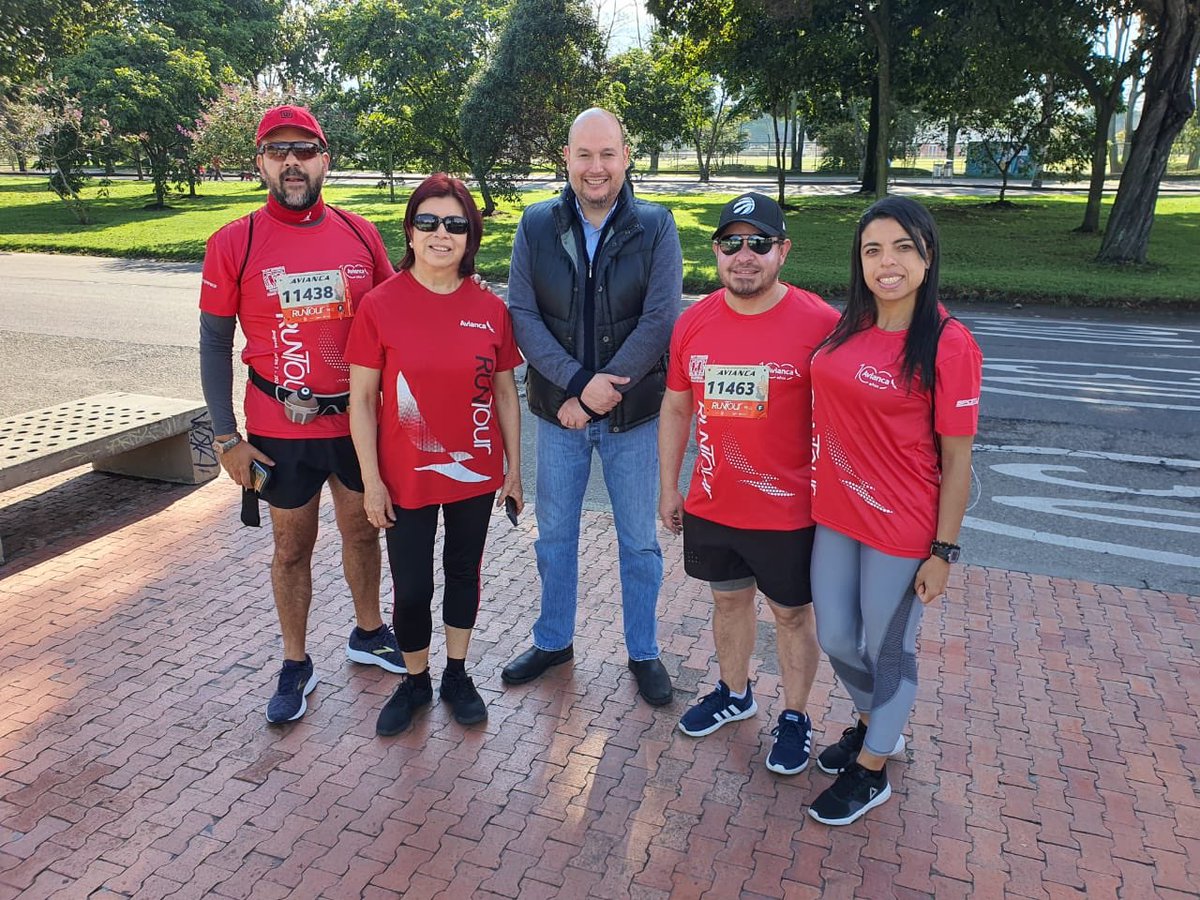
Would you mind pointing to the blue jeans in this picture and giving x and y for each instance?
(630, 464)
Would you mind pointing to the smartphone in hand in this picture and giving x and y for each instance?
(259, 476)
(510, 509)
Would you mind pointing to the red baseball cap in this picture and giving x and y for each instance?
(289, 117)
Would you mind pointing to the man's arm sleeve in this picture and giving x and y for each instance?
(216, 369)
(541, 349)
(649, 340)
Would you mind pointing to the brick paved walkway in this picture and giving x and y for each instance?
(1052, 748)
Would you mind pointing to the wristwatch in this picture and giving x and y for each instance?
(942, 550)
(226, 446)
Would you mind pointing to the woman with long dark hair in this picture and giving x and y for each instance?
(895, 408)
(435, 419)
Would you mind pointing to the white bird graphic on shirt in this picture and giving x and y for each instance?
(418, 431)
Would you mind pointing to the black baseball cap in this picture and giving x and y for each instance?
(754, 209)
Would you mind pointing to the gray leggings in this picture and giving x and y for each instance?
(867, 618)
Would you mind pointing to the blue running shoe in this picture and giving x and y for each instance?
(793, 743)
(296, 681)
(380, 650)
(715, 709)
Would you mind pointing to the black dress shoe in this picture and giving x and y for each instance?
(533, 662)
(654, 684)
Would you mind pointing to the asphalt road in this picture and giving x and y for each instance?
(1087, 458)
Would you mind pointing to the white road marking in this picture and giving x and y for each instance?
(1089, 454)
(1038, 472)
(1075, 543)
(1075, 509)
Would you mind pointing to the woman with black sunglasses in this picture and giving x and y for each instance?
(895, 408)
(435, 419)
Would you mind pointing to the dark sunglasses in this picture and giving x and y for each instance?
(302, 150)
(758, 243)
(430, 222)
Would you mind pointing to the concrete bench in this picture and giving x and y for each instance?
(127, 434)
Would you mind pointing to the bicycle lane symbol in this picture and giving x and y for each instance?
(1164, 515)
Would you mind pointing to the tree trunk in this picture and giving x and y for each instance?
(1167, 107)
(21, 163)
(869, 172)
(780, 153)
(700, 157)
(951, 141)
(880, 24)
(798, 145)
(489, 202)
(1105, 112)
(653, 162)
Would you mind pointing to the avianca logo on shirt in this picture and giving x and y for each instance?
(696, 367)
(971, 401)
(484, 326)
(782, 371)
(880, 379)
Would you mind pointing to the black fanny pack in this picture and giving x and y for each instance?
(328, 404)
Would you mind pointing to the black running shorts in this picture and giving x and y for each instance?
(777, 560)
(302, 465)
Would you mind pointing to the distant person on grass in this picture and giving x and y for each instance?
(895, 410)
(435, 419)
(739, 364)
(292, 274)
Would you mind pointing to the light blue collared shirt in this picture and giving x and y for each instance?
(591, 234)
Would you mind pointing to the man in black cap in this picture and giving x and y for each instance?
(739, 362)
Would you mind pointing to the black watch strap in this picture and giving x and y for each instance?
(947, 551)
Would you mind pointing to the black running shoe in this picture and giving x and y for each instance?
(848, 799)
(458, 690)
(834, 758)
(397, 714)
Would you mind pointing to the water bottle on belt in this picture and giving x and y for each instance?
(301, 406)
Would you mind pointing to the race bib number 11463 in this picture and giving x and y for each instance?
(736, 391)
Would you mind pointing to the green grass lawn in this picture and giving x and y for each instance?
(1028, 252)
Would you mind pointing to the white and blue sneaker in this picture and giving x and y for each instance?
(717, 708)
(296, 681)
(380, 650)
(793, 743)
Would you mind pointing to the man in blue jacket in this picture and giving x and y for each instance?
(594, 290)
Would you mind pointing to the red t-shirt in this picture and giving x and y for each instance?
(876, 472)
(295, 302)
(439, 436)
(749, 379)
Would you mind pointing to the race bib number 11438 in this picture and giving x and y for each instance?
(314, 296)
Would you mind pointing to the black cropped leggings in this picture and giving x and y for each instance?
(410, 557)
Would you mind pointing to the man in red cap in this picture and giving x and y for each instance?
(291, 273)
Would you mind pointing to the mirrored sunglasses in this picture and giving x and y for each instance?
(758, 243)
(430, 222)
(302, 150)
